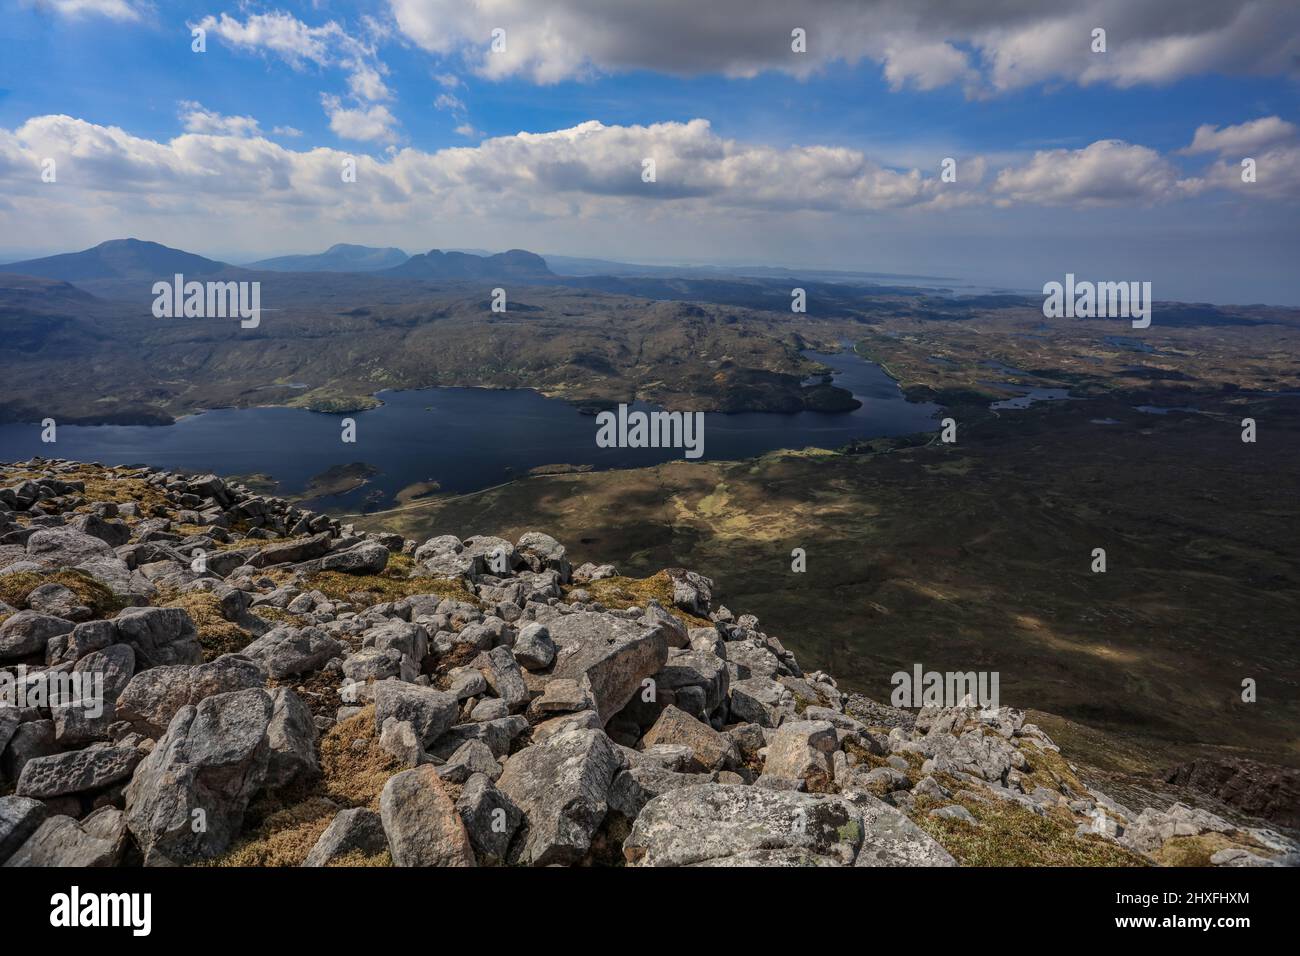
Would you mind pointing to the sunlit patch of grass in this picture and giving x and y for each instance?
(287, 824)
(217, 636)
(618, 593)
(364, 590)
(1011, 835)
(14, 589)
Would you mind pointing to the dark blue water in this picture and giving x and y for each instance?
(463, 438)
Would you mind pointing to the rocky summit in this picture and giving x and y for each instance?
(257, 684)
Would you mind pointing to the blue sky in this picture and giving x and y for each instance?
(225, 152)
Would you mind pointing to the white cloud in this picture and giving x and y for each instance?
(200, 120)
(363, 123)
(447, 101)
(113, 9)
(468, 131)
(585, 180)
(287, 131)
(1242, 138)
(986, 47)
(1108, 172)
(326, 46)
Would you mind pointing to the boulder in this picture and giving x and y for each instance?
(352, 830)
(491, 818)
(724, 825)
(562, 787)
(152, 698)
(19, 818)
(421, 822)
(710, 749)
(285, 651)
(187, 799)
(28, 632)
(159, 635)
(77, 771)
(430, 712)
(607, 655)
(98, 841)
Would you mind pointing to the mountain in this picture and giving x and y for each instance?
(118, 259)
(435, 264)
(340, 257)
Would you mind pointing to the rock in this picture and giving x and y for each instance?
(292, 737)
(497, 734)
(760, 700)
(112, 533)
(636, 786)
(27, 632)
(561, 786)
(692, 592)
(955, 812)
(430, 712)
(159, 635)
(470, 758)
(398, 738)
(292, 551)
(421, 822)
(491, 818)
(65, 547)
(534, 648)
(285, 651)
(356, 829)
(366, 558)
(57, 601)
(207, 767)
(370, 663)
(607, 655)
(97, 841)
(674, 631)
(702, 669)
(501, 671)
(86, 638)
(19, 818)
(152, 698)
(541, 552)
(799, 752)
(30, 740)
(490, 709)
(893, 840)
(711, 750)
(77, 771)
(88, 719)
(720, 825)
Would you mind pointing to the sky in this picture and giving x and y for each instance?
(228, 129)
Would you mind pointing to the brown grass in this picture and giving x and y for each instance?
(14, 589)
(618, 593)
(216, 635)
(363, 590)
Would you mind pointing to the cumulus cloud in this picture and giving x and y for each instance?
(327, 46)
(589, 173)
(1242, 138)
(200, 120)
(985, 47)
(361, 123)
(1106, 173)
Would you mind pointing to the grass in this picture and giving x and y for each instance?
(217, 636)
(14, 589)
(618, 593)
(1010, 835)
(392, 584)
(283, 827)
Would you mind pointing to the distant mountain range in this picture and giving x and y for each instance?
(118, 259)
(515, 264)
(135, 259)
(341, 257)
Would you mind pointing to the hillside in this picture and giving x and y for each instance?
(119, 259)
(317, 696)
(340, 257)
